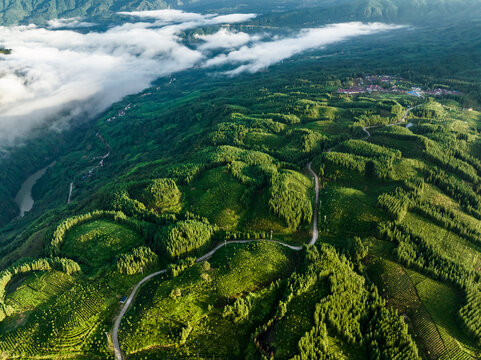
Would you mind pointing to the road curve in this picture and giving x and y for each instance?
(115, 330)
(315, 236)
(213, 251)
(396, 123)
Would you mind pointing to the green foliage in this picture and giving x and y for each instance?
(358, 250)
(430, 109)
(306, 140)
(239, 311)
(396, 204)
(63, 228)
(351, 310)
(415, 185)
(204, 193)
(363, 148)
(161, 194)
(176, 268)
(289, 199)
(67, 266)
(138, 260)
(289, 119)
(437, 154)
(184, 237)
(237, 151)
(449, 220)
(96, 245)
(335, 160)
(457, 189)
(167, 305)
(469, 313)
(415, 251)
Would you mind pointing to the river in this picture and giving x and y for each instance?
(24, 197)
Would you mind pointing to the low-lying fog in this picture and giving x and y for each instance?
(58, 74)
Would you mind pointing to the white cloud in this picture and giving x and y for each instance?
(69, 23)
(54, 77)
(176, 16)
(263, 54)
(168, 15)
(225, 39)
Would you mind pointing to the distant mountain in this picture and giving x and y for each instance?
(32, 11)
(320, 11)
(418, 12)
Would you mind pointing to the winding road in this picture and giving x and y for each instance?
(101, 163)
(406, 113)
(115, 330)
(315, 236)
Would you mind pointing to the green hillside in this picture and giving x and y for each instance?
(196, 238)
(239, 171)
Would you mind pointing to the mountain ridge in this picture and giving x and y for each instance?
(397, 11)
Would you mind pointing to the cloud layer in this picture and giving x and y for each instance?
(261, 55)
(56, 76)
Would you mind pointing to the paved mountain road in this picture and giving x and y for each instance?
(315, 236)
(406, 113)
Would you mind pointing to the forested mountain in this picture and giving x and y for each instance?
(320, 11)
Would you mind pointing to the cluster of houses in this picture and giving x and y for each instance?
(388, 84)
(120, 113)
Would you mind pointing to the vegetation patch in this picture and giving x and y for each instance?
(96, 244)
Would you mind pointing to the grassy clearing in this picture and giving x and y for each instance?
(430, 307)
(346, 212)
(328, 126)
(406, 168)
(95, 245)
(247, 267)
(433, 195)
(260, 218)
(63, 318)
(216, 195)
(409, 148)
(263, 140)
(27, 292)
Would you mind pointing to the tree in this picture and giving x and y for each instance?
(161, 194)
(358, 249)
